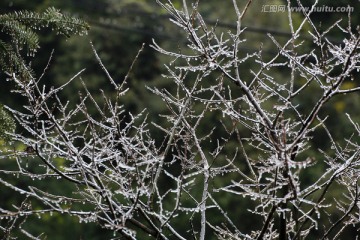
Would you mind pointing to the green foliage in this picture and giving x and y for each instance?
(20, 38)
(7, 124)
(117, 49)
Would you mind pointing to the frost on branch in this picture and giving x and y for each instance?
(110, 159)
(236, 134)
(263, 113)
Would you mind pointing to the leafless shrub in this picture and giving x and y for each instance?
(119, 171)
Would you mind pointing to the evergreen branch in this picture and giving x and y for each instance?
(21, 28)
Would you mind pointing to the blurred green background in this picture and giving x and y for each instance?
(118, 30)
